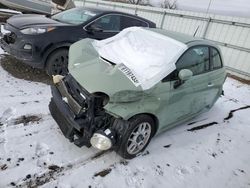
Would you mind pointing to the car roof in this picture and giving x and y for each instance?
(184, 38)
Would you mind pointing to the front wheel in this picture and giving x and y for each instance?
(137, 137)
(57, 63)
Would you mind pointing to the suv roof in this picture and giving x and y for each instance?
(106, 10)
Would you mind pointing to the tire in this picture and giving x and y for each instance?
(57, 62)
(126, 149)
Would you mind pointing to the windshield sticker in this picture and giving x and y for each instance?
(129, 74)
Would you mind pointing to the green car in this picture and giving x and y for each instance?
(122, 91)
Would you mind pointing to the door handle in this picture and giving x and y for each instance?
(210, 84)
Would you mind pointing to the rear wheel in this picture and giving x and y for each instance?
(57, 63)
(137, 137)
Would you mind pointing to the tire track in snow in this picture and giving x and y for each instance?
(230, 115)
(55, 172)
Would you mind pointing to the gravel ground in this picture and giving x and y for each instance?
(22, 71)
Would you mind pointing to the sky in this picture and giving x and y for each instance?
(224, 7)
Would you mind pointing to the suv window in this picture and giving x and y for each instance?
(216, 59)
(109, 23)
(130, 22)
(196, 59)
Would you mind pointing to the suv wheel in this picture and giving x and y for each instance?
(57, 63)
(137, 137)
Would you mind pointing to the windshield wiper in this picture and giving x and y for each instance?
(110, 62)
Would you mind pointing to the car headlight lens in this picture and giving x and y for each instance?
(36, 30)
(102, 140)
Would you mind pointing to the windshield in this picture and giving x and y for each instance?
(133, 50)
(74, 16)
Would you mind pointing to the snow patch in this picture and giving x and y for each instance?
(8, 115)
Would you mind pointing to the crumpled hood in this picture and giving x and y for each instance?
(95, 74)
(28, 20)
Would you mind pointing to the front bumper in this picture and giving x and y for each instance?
(13, 43)
(80, 114)
(66, 120)
(75, 130)
(76, 111)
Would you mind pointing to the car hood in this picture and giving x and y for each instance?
(94, 73)
(28, 20)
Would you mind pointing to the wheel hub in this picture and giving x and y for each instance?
(139, 138)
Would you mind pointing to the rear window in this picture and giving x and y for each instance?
(216, 59)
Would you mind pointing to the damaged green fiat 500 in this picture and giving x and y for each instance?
(122, 91)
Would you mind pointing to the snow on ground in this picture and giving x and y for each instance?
(33, 151)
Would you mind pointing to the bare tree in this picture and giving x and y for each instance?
(168, 4)
(136, 2)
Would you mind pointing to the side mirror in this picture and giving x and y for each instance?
(185, 74)
(94, 28)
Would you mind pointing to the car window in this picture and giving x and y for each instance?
(196, 59)
(74, 16)
(109, 23)
(216, 59)
(130, 22)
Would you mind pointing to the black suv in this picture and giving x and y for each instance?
(43, 42)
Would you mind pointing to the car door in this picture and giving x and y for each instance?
(217, 76)
(104, 27)
(188, 98)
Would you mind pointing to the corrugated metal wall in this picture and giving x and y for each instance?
(232, 34)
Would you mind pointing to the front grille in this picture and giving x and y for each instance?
(67, 98)
(77, 92)
(79, 100)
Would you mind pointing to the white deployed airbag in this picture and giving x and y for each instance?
(144, 56)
